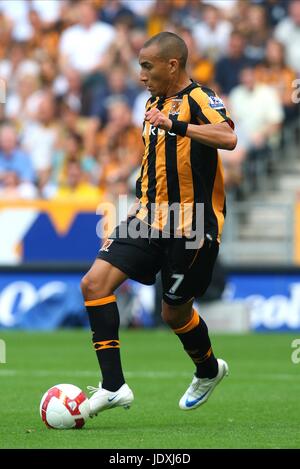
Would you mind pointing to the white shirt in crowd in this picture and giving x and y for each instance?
(17, 12)
(213, 42)
(39, 142)
(48, 10)
(22, 111)
(138, 7)
(83, 47)
(222, 4)
(255, 110)
(288, 33)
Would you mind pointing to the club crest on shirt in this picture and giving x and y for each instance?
(175, 107)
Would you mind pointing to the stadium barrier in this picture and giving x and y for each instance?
(48, 231)
(47, 297)
(52, 244)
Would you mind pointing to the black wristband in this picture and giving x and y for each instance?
(179, 128)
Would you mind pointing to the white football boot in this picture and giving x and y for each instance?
(102, 399)
(201, 388)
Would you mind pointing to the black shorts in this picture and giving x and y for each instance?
(185, 273)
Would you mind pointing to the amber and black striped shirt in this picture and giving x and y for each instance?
(179, 169)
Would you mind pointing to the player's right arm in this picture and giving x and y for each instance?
(215, 128)
(217, 136)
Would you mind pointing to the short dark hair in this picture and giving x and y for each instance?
(170, 46)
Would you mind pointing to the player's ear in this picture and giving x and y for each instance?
(173, 65)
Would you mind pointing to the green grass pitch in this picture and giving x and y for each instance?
(257, 406)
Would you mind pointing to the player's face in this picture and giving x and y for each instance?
(156, 73)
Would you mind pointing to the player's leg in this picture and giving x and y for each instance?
(184, 279)
(192, 331)
(98, 287)
(118, 259)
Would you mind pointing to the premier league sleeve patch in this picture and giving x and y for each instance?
(215, 102)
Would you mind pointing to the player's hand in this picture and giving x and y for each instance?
(158, 119)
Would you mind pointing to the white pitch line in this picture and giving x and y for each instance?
(129, 374)
(136, 374)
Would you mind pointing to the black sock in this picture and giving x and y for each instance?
(195, 339)
(105, 321)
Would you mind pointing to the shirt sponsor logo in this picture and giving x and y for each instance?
(151, 130)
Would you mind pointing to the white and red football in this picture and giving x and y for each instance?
(64, 406)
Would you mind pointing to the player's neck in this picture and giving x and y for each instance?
(181, 83)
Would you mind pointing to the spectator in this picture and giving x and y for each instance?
(69, 89)
(83, 45)
(141, 9)
(13, 159)
(72, 122)
(12, 188)
(48, 71)
(16, 64)
(72, 150)
(201, 68)
(259, 114)
(49, 11)
(22, 104)
(121, 148)
(40, 136)
(86, 54)
(45, 38)
(124, 50)
(276, 10)
(229, 67)
(16, 14)
(257, 33)
(224, 5)
(257, 109)
(76, 187)
(273, 71)
(137, 38)
(212, 33)
(159, 17)
(117, 85)
(288, 33)
(114, 11)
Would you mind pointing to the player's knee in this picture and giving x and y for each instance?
(170, 316)
(167, 318)
(94, 288)
(175, 316)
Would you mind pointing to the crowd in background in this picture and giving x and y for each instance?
(71, 121)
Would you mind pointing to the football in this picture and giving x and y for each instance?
(64, 406)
